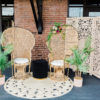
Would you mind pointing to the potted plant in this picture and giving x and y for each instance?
(78, 60)
(4, 63)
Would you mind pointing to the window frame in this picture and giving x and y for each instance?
(7, 6)
(86, 8)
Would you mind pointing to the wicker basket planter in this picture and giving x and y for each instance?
(78, 81)
(2, 80)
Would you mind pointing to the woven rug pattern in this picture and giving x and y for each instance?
(32, 88)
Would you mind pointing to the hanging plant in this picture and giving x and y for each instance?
(56, 29)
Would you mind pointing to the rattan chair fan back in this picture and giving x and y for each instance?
(71, 40)
(22, 40)
(57, 45)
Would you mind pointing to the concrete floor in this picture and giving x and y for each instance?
(89, 91)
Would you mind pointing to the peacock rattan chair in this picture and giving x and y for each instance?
(56, 57)
(23, 42)
(71, 41)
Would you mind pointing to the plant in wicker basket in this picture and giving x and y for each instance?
(79, 58)
(4, 63)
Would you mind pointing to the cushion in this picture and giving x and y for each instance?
(21, 60)
(57, 63)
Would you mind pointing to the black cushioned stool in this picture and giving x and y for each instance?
(40, 68)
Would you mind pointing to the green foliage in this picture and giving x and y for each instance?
(57, 24)
(87, 48)
(79, 57)
(48, 40)
(56, 29)
(8, 49)
(4, 51)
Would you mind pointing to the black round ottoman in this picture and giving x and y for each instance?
(40, 68)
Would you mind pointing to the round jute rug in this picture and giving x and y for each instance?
(32, 88)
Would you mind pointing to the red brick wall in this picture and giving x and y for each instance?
(53, 11)
(23, 15)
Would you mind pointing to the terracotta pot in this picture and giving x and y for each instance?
(2, 80)
(78, 81)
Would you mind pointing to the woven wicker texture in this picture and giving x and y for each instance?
(22, 40)
(58, 46)
(71, 39)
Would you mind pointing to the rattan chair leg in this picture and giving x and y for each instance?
(23, 71)
(54, 72)
(12, 70)
(68, 72)
(29, 67)
(64, 73)
(50, 71)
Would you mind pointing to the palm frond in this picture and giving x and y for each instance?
(80, 57)
(4, 63)
(70, 60)
(8, 49)
(87, 48)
